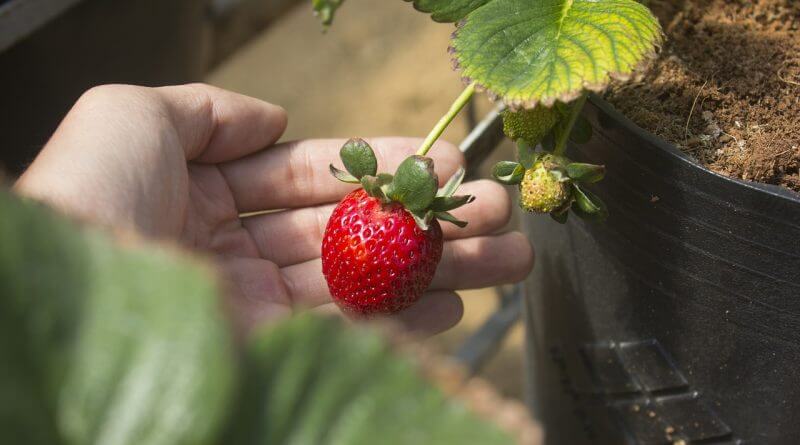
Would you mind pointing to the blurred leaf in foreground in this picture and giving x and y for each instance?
(102, 343)
(312, 381)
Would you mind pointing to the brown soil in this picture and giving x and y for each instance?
(725, 87)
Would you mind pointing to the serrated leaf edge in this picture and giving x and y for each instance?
(523, 104)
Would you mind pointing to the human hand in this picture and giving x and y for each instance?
(187, 162)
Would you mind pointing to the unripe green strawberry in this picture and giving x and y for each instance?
(529, 125)
(543, 189)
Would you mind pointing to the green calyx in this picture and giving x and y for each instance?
(553, 184)
(359, 160)
(325, 9)
(588, 205)
(414, 184)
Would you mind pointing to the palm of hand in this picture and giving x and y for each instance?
(186, 162)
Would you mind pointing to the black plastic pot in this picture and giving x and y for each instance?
(678, 318)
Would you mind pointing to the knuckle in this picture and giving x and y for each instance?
(452, 151)
(500, 200)
(115, 99)
(110, 93)
(529, 256)
(524, 256)
(492, 200)
(200, 86)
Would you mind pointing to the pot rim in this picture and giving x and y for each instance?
(679, 156)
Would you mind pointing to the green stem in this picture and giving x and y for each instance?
(437, 131)
(574, 112)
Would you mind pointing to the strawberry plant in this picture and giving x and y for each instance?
(540, 58)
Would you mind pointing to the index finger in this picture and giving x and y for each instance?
(215, 125)
(295, 174)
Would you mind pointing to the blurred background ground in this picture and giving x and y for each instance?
(382, 69)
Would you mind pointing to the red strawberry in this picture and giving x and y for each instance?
(383, 242)
(375, 257)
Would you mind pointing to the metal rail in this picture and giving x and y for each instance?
(482, 345)
(483, 139)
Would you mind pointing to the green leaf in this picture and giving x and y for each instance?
(372, 187)
(375, 185)
(530, 125)
(588, 205)
(452, 184)
(587, 173)
(526, 153)
(448, 11)
(313, 380)
(531, 52)
(326, 9)
(423, 219)
(445, 216)
(103, 344)
(343, 175)
(358, 158)
(385, 179)
(414, 183)
(446, 203)
(509, 173)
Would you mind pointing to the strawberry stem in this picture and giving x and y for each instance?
(437, 131)
(574, 112)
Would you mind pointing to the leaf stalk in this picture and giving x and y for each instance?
(574, 112)
(440, 126)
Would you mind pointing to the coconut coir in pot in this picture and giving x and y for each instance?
(725, 87)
